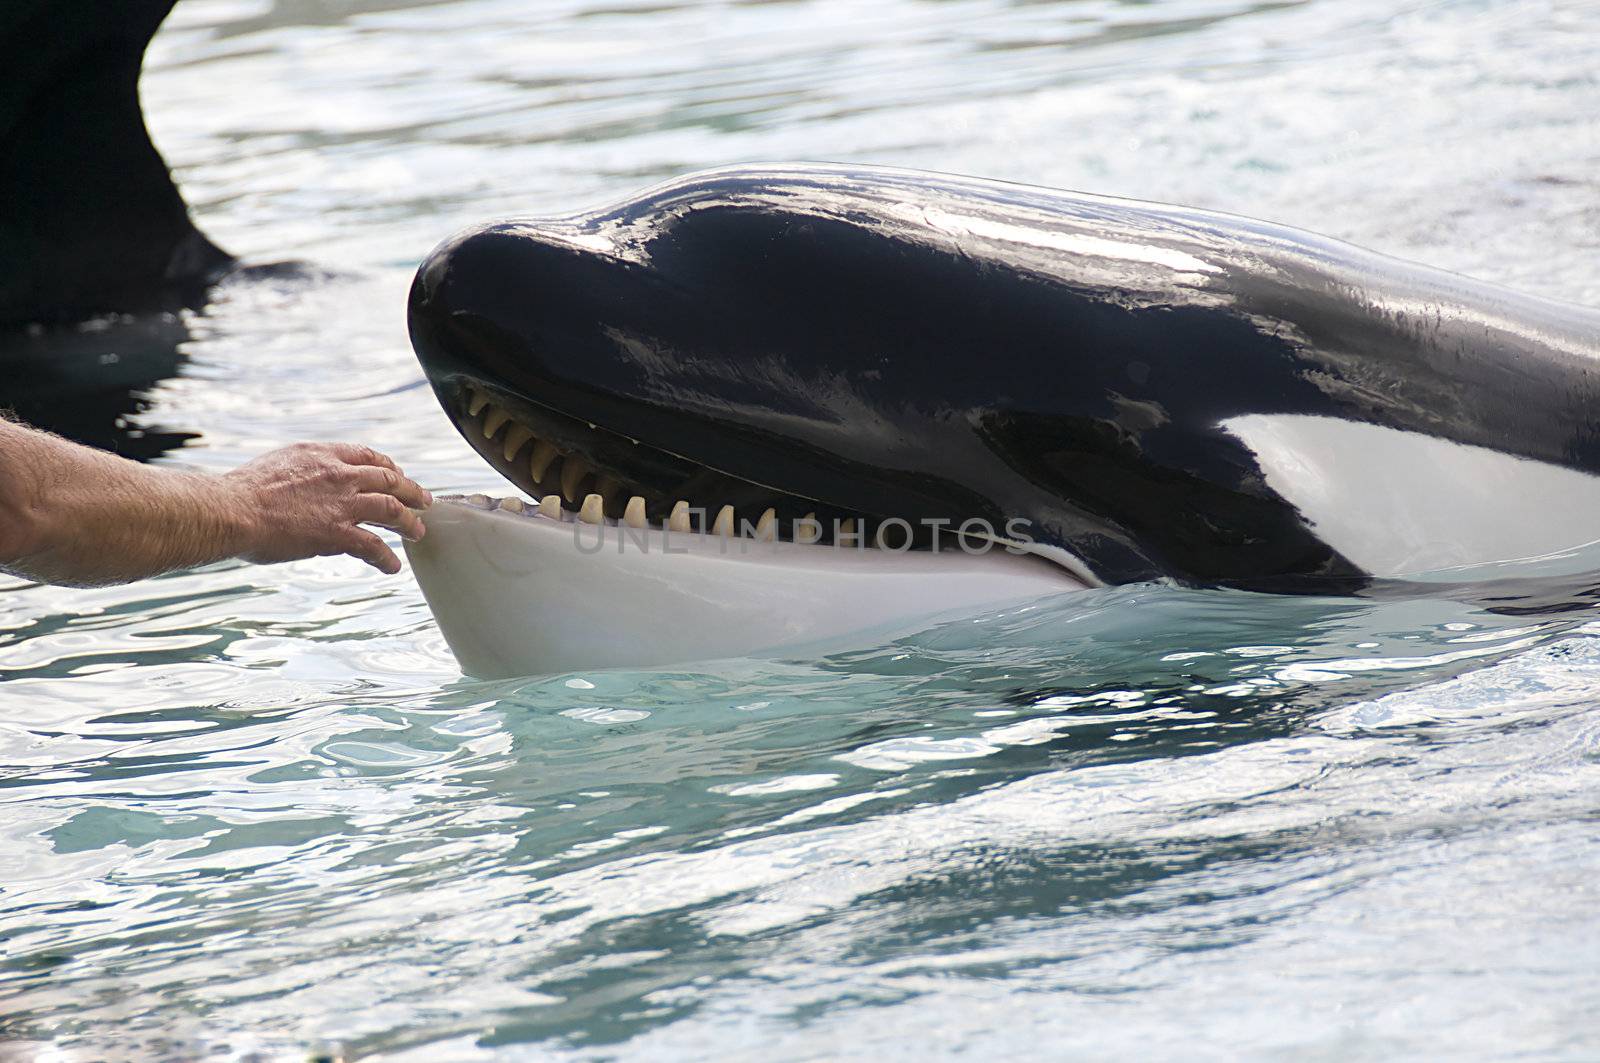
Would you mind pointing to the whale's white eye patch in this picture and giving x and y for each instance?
(1407, 504)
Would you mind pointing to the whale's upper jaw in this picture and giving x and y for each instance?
(555, 436)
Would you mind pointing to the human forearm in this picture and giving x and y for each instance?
(76, 515)
(69, 514)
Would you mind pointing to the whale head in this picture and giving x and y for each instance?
(879, 347)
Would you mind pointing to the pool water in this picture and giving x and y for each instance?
(257, 813)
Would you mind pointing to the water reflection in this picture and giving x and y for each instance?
(91, 383)
(1067, 800)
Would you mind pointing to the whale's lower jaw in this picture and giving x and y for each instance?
(516, 593)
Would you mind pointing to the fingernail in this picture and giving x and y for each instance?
(428, 495)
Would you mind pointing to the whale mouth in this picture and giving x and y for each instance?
(634, 556)
(574, 469)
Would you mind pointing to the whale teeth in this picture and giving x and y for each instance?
(544, 452)
(515, 438)
(561, 480)
(573, 472)
(493, 421)
(610, 500)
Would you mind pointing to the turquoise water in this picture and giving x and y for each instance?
(257, 812)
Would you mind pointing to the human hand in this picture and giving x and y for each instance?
(308, 500)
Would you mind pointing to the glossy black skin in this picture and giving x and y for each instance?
(90, 220)
(917, 345)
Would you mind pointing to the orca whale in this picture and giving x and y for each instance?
(1117, 391)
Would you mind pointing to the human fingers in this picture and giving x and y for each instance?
(362, 544)
(388, 511)
(385, 480)
(361, 454)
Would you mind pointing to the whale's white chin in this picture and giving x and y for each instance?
(516, 593)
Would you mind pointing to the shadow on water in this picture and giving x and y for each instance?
(90, 383)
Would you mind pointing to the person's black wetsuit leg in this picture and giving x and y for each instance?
(90, 220)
